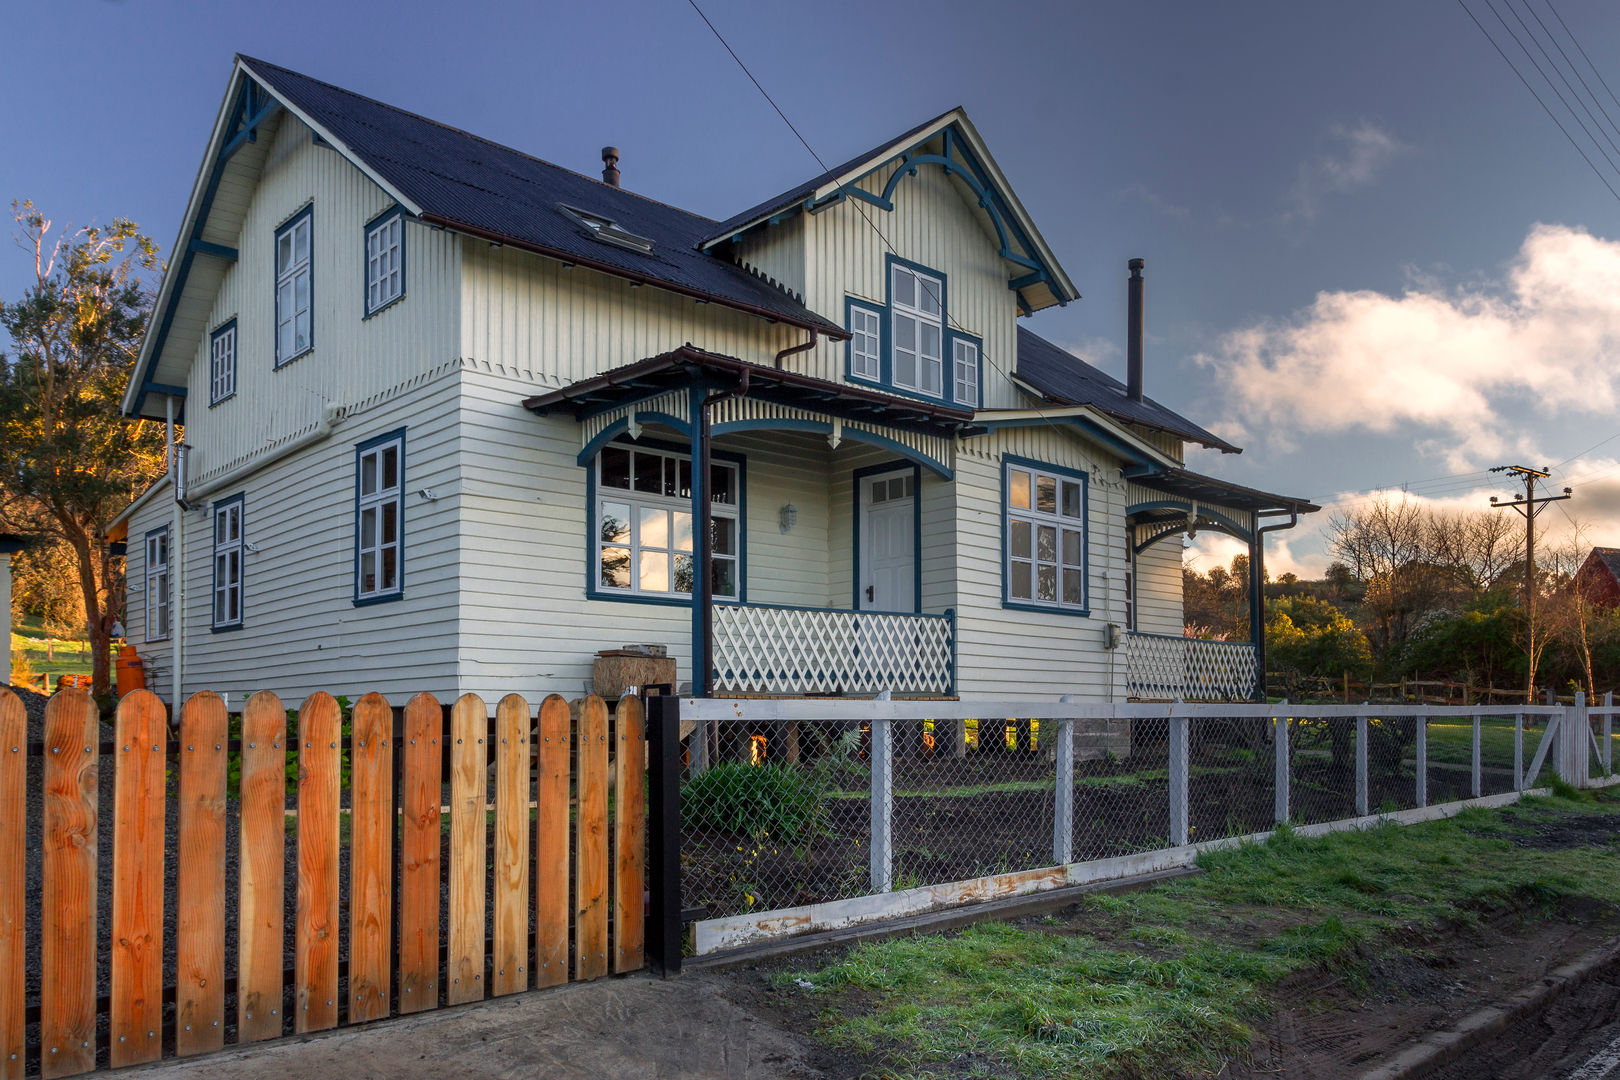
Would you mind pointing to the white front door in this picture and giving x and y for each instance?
(888, 557)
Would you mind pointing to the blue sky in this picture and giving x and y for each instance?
(1372, 258)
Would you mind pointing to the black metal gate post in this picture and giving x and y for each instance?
(665, 934)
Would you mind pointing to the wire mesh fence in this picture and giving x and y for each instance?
(1121, 787)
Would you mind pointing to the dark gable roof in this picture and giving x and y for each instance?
(483, 188)
(1064, 377)
(1609, 557)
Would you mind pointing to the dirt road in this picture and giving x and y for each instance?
(1577, 1039)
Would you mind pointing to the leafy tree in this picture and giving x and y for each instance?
(1312, 637)
(45, 583)
(68, 462)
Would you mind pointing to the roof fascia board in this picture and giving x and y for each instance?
(1092, 422)
(141, 500)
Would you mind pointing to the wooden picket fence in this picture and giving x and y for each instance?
(544, 932)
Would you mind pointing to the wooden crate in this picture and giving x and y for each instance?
(614, 671)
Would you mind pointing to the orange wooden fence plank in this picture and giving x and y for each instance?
(590, 848)
(68, 913)
(199, 995)
(263, 868)
(371, 858)
(422, 786)
(469, 849)
(13, 894)
(315, 961)
(551, 829)
(135, 1034)
(629, 834)
(511, 845)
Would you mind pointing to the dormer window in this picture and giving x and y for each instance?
(607, 230)
(910, 345)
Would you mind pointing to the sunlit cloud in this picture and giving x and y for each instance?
(1362, 154)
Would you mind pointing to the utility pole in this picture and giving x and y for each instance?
(1529, 507)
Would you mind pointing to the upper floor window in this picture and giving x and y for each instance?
(965, 369)
(228, 546)
(865, 361)
(222, 363)
(294, 287)
(643, 523)
(917, 330)
(1045, 522)
(157, 585)
(385, 260)
(379, 504)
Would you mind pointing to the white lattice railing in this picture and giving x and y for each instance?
(1161, 667)
(763, 649)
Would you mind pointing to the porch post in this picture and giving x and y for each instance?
(702, 615)
(1257, 609)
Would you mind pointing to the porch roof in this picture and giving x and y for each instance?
(690, 366)
(1208, 489)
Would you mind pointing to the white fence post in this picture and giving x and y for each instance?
(882, 802)
(1063, 807)
(1476, 766)
(1608, 732)
(1422, 761)
(1518, 751)
(1282, 767)
(1574, 768)
(1180, 755)
(1361, 766)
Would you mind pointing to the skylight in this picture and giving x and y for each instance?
(607, 230)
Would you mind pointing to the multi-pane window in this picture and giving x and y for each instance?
(294, 285)
(917, 329)
(1046, 520)
(380, 503)
(644, 526)
(228, 563)
(865, 362)
(965, 365)
(385, 262)
(157, 585)
(222, 363)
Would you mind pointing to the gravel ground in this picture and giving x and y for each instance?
(35, 704)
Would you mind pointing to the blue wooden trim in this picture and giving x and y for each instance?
(851, 303)
(397, 435)
(1218, 520)
(695, 395)
(856, 477)
(308, 211)
(1037, 278)
(819, 427)
(1089, 427)
(622, 425)
(1084, 610)
(166, 389)
(365, 261)
(849, 611)
(228, 327)
(771, 423)
(950, 613)
(218, 251)
(240, 499)
(951, 338)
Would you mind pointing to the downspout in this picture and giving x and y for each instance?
(790, 351)
(177, 565)
(1257, 586)
(331, 415)
(703, 649)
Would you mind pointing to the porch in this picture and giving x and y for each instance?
(775, 649)
(1165, 667)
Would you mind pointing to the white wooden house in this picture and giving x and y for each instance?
(441, 401)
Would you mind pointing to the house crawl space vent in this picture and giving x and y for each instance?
(606, 230)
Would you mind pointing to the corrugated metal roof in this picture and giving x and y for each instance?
(1064, 377)
(470, 183)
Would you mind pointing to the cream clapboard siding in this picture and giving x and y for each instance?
(1017, 654)
(1158, 588)
(777, 253)
(354, 358)
(301, 630)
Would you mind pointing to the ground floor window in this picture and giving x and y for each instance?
(380, 506)
(1044, 530)
(643, 528)
(157, 585)
(228, 563)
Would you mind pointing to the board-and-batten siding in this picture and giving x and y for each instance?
(301, 630)
(1158, 588)
(354, 357)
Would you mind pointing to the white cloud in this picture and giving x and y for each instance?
(1153, 199)
(1366, 151)
(1465, 372)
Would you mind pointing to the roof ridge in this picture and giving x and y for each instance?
(479, 138)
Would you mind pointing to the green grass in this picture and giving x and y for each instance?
(1169, 981)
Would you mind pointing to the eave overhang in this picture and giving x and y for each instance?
(1197, 487)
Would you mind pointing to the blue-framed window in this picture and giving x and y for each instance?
(642, 527)
(379, 518)
(157, 585)
(228, 575)
(222, 363)
(385, 260)
(295, 286)
(1043, 535)
(908, 343)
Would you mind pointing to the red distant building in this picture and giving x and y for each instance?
(1599, 577)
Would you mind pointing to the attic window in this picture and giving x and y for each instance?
(606, 230)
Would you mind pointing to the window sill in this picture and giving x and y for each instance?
(368, 601)
(222, 400)
(1047, 609)
(294, 358)
(679, 600)
(232, 627)
(379, 310)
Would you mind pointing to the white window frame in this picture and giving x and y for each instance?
(1023, 561)
(865, 343)
(371, 506)
(229, 573)
(965, 371)
(157, 585)
(222, 363)
(917, 316)
(290, 272)
(385, 261)
(645, 505)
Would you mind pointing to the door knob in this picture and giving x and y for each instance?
(869, 595)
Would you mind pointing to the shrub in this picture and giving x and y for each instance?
(757, 800)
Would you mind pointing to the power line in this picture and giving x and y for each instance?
(1572, 66)
(1544, 76)
(1577, 42)
(1562, 78)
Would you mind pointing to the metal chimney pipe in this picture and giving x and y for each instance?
(1133, 333)
(610, 166)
